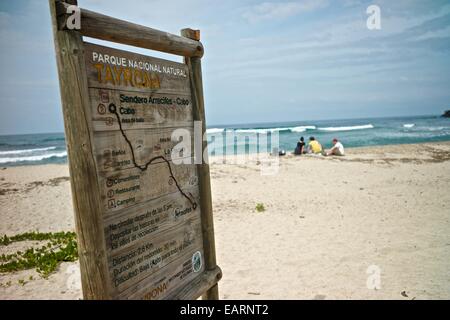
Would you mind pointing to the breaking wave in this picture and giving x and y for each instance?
(34, 158)
(266, 130)
(215, 130)
(25, 151)
(349, 128)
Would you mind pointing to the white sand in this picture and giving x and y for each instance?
(326, 221)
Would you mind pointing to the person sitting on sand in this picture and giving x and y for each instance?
(300, 149)
(337, 149)
(314, 146)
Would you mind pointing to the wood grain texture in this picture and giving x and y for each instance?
(96, 25)
(138, 186)
(141, 253)
(146, 220)
(140, 234)
(191, 34)
(141, 115)
(205, 282)
(131, 265)
(195, 75)
(164, 282)
(161, 75)
(84, 182)
(113, 153)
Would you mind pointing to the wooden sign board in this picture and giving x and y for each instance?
(144, 224)
(152, 229)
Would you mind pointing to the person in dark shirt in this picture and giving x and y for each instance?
(300, 149)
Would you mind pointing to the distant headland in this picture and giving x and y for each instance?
(446, 114)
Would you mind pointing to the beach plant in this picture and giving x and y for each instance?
(260, 207)
(60, 247)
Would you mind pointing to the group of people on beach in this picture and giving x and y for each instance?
(314, 147)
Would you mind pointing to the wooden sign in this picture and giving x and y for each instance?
(144, 223)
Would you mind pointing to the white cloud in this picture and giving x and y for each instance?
(442, 33)
(351, 3)
(281, 10)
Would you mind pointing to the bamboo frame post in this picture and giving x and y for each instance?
(195, 70)
(84, 181)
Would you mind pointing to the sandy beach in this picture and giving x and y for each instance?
(326, 222)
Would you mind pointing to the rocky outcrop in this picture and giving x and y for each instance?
(446, 114)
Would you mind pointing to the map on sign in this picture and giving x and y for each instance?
(151, 218)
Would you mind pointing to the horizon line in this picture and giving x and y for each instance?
(248, 123)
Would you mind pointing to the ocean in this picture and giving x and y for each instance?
(32, 149)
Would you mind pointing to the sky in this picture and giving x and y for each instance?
(265, 61)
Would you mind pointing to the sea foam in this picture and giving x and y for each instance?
(349, 128)
(34, 158)
(282, 129)
(215, 130)
(261, 130)
(26, 151)
(303, 128)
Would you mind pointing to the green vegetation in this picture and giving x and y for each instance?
(61, 246)
(260, 207)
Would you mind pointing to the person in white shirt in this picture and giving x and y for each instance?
(337, 149)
